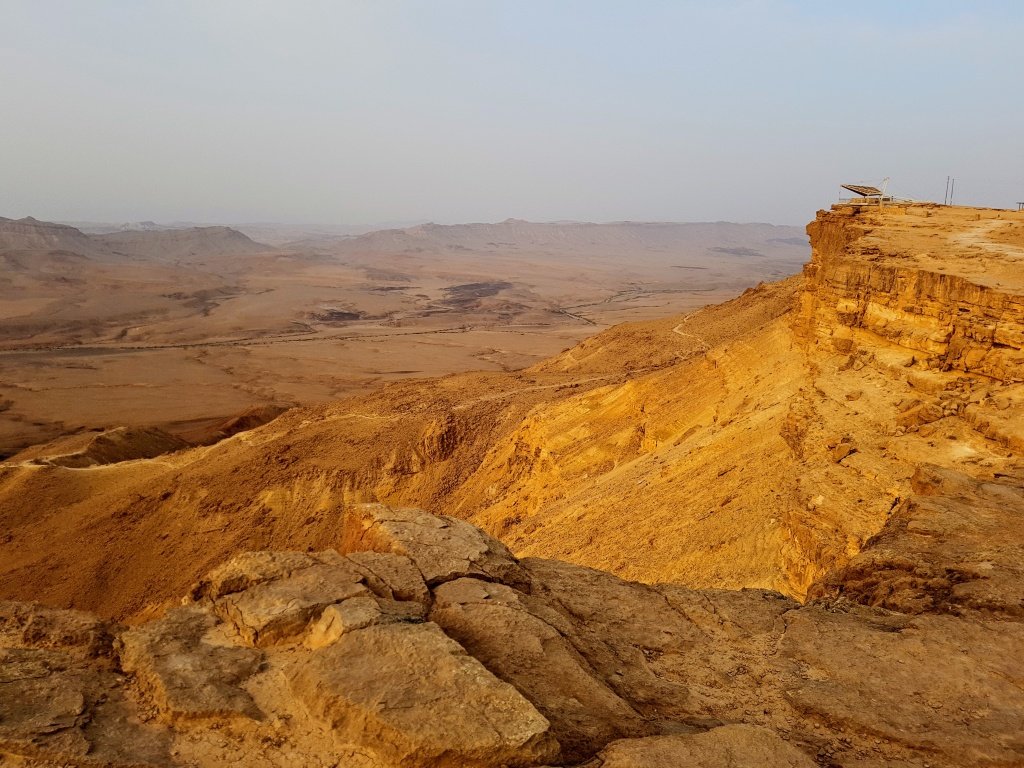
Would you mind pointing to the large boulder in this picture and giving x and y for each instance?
(416, 698)
(443, 548)
(495, 624)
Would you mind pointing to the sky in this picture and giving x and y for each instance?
(347, 112)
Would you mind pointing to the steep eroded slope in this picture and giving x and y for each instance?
(759, 443)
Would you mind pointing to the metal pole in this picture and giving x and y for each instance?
(945, 200)
(952, 186)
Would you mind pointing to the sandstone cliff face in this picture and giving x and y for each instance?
(426, 643)
(922, 284)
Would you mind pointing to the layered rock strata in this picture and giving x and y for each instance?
(920, 277)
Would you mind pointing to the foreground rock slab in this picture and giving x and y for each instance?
(495, 624)
(62, 700)
(415, 696)
(429, 645)
(735, 746)
(187, 677)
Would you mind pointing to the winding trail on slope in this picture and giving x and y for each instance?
(704, 346)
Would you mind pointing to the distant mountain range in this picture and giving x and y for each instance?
(145, 240)
(605, 239)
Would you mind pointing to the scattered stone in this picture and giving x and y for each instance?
(921, 414)
(843, 449)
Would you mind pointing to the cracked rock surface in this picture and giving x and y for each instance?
(428, 644)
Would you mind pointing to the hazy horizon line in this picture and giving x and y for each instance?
(383, 225)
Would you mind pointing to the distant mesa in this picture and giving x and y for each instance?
(144, 239)
(29, 234)
(142, 226)
(178, 244)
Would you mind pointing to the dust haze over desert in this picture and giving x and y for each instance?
(443, 385)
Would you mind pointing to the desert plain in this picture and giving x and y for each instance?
(182, 328)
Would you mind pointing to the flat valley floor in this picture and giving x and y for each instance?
(181, 329)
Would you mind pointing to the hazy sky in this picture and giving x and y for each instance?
(478, 110)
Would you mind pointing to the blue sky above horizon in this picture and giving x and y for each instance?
(462, 110)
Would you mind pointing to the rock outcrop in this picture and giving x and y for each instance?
(92, 449)
(952, 548)
(917, 277)
(441, 649)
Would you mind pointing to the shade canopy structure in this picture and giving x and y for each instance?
(863, 191)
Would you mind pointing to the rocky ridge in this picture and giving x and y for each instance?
(951, 314)
(31, 235)
(194, 244)
(421, 641)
